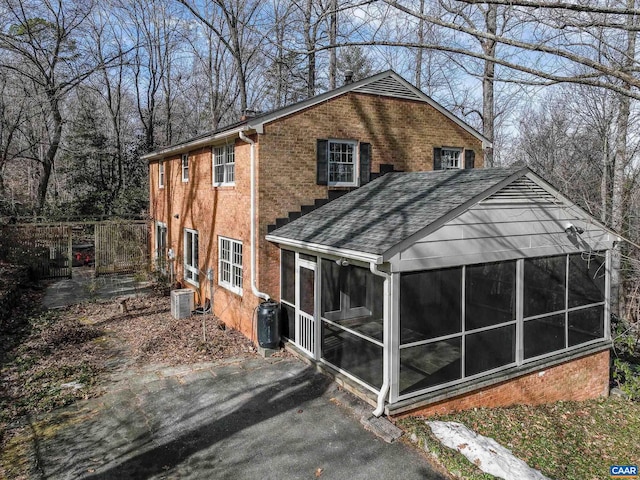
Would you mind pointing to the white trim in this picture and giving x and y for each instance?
(161, 262)
(161, 174)
(324, 249)
(360, 85)
(194, 144)
(460, 159)
(228, 165)
(355, 163)
(231, 284)
(184, 165)
(193, 270)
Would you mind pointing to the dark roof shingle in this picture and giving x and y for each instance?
(388, 210)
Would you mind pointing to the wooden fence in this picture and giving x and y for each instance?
(121, 247)
(44, 248)
(51, 250)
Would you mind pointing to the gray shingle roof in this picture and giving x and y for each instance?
(390, 209)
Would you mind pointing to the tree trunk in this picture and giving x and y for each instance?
(333, 35)
(55, 129)
(621, 160)
(419, 52)
(488, 82)
(310, 44)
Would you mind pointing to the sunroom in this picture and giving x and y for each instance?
(424, 286)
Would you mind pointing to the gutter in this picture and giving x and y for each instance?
(254, 289)
(386, 339)
(319, 248)
(190, 145)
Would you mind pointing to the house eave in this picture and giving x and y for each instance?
(353, 87)
(452, 214)
(192, 145)
(326, 249)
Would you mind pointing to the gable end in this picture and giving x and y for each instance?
(522, 191)
(389, 87)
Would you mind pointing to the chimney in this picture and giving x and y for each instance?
(247, 114)
(348, 77)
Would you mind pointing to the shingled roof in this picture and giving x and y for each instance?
(385, 84)
(383, 213)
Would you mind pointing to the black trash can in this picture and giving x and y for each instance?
(269, 325)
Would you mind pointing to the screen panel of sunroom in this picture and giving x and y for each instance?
(459, 322)
(436, 346)
(352, 320)
(564, 302)
(288, 293)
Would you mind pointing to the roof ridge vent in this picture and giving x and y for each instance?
(389, 86)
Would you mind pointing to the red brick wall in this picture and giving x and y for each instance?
(212, 211)
(581, 379)
(401, 132)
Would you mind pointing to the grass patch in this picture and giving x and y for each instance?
(564, 440)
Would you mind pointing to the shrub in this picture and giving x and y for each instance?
(626, 364)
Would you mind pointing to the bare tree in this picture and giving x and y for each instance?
(236, 34)
(44, 46)
(621, 157)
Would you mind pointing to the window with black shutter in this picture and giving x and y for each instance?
(343, 163)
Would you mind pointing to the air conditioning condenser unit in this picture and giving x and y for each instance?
(181, 302)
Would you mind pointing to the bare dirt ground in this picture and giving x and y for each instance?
(52, 358)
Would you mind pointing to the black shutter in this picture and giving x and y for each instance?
(437, 159)
(365, 163)
(469, 159)
(322, 162)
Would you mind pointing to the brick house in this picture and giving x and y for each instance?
(306, 205)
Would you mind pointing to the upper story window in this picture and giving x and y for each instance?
(185, 167)
(452, 158)
(161, 174)
(343, 163)
(224, 165)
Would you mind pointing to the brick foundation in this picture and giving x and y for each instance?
(581, 379)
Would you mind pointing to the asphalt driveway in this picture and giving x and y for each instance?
(273, 418)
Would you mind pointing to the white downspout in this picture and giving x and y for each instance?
(386, 339)
(254, 289)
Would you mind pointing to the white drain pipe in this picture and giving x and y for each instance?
(386, 338)
(254, 288)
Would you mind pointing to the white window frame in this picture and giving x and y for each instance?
(191, 272)
(230, 270)
(451, 158)
(185, 167)
(223, 157)
(355, 163)
(161, 256)
(161, 174)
